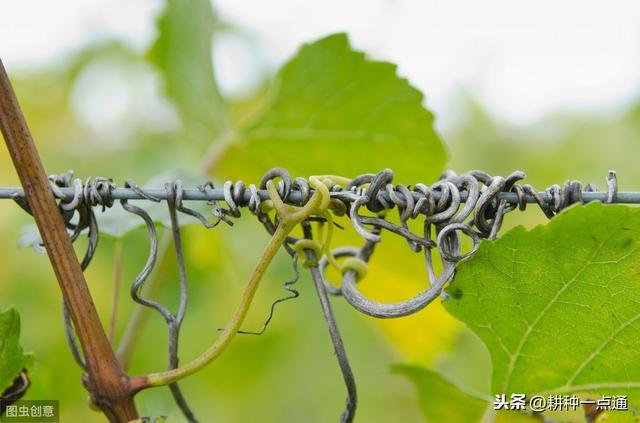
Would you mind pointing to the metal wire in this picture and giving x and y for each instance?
(174, 191)
(481, 217)
(472, 204)
(349, 412)
(486, 200)
(194, 194)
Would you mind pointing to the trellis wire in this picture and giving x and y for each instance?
(473, 203)
(217, 194)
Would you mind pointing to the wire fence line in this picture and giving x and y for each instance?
(217, 194)
(472, 204)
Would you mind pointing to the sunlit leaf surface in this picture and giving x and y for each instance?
(558, 306)
(335, 111)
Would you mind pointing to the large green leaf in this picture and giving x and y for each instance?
(182, 52)
(559, 306)
(12, 358)
(333, 111)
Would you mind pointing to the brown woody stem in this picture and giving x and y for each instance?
(107, 383)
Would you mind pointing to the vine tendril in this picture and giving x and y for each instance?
(473, 204)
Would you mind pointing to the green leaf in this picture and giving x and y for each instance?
(467, 364)
(559, 306)
(334, 111)
(442, 401)
(12, 358)
(182, 52)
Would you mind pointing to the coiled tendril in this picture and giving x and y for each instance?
(469, 204)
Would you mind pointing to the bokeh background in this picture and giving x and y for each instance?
(550, 88)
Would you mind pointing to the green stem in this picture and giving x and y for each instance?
(289, 218)
(231, 329)
(117, 278)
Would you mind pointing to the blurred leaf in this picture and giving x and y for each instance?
(468, 364)
(441, 401)
(183, 54)
(12, 358)
(557, 306)
(333, 111)
(30, 237)
(117, 222)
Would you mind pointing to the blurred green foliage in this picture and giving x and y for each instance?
(169, 116)
(441, 400)
(182, 52)
(12, 356)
